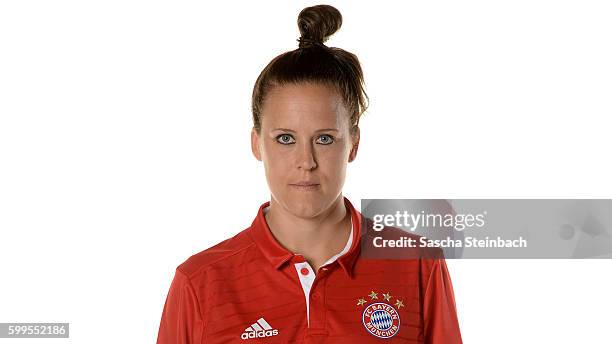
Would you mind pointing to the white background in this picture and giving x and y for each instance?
(124, 146)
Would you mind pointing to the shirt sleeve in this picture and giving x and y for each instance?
(181, 321)
(441, 325)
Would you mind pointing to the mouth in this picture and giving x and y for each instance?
(305, 186)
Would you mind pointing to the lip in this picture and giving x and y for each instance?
(306, 186)
(304, 183)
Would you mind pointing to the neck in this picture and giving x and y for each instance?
(316, 238)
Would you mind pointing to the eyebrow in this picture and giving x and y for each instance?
(293, 131)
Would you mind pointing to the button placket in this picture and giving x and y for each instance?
(306, 277)
(317, 303)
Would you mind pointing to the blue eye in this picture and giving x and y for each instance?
(285, 139)
(328, 139)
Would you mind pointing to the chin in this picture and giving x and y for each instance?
(306, 205)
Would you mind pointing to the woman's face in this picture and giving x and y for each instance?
(305, 139)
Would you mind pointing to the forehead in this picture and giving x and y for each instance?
(304, 104)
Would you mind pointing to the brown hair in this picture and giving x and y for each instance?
(315, 62)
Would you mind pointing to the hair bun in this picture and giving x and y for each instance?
(317, 23)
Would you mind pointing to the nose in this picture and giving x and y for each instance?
(306, 158)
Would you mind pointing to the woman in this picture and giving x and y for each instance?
(295, 275)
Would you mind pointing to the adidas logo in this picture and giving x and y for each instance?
(259, 329)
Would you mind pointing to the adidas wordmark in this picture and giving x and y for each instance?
(259, 329)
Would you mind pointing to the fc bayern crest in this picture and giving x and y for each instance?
(381, 320)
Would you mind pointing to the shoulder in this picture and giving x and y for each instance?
(227, 252)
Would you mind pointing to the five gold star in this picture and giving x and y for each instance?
(373, 295)
(387, 296)
(361, 302)
(399, 304)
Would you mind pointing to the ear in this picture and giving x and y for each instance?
(255, 144)
(355, 145)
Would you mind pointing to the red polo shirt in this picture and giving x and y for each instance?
(249, 289)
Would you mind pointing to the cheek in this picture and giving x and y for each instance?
(276, 161)
(333, 162)
(276, 167)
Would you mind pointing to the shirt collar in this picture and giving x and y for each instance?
(278, 255)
